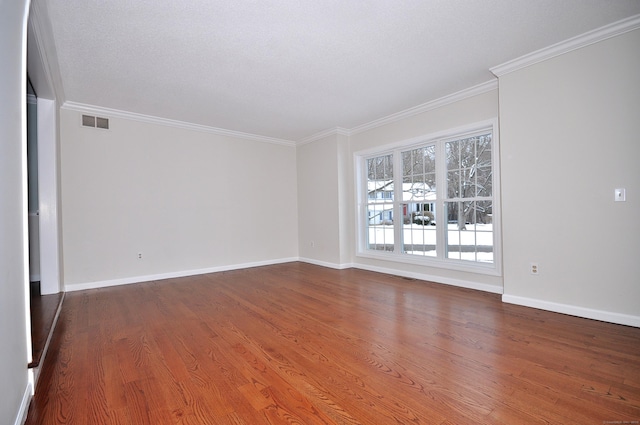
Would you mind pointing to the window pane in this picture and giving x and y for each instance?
(453, 184)
(412, 162)
(380, 231)
(380, 197)
(467, 152)
(483, 150)
(484, 166)
(455, 228)
(483, 181)
(419, 188)
(380, 168)
(419, 229)
(410, 189)
(407, 163)
(408, 212)
(429, 158)
(453, 155)
(419, 161)
(484, 231)
(469, 172)
(470, 231)
(419, 177)
(467, 182)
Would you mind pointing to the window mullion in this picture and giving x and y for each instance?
(441, 192)
(384, 205)
(398, 219)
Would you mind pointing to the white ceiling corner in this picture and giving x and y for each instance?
(291, 71)
(115, 113)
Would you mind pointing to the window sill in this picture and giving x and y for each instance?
(491, 269)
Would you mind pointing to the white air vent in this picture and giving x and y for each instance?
(95, 122)
(102, 123)
(88, 121)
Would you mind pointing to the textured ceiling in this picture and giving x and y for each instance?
(289, 69)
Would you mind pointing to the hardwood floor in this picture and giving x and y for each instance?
(301, 344)
(43, 314)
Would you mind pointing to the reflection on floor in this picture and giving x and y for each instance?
(44, 309)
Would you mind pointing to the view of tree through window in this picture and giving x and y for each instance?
(469, 199)
(419, 200)
(380, 197)
(410, 212)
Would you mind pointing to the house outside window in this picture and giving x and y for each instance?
(433, 200)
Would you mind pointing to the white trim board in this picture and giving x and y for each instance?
(335, 266)
(425, 107)
(420, 276)
(587, 313)
(584, 312)
(432, 278)
(48, 190)
(171, 275)
(23, 410)
(116, 113)
(338, 131)
(586, 39)
(43, 43)
(400, 273)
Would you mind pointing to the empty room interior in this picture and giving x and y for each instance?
(319, 212)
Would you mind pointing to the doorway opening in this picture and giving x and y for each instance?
(43, 308)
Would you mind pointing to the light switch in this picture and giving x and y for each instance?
(620, 195)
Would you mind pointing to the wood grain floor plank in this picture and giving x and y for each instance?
(295, 372)
(301, 344)
(373, 366)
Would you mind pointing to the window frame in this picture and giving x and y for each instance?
(438, 139)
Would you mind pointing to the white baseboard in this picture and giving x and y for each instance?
(432, 278)
(605, 316)
(587, 313)
(326, 264)
(171, 275)
(21, 417)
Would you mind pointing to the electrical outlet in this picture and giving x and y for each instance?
(313, 244)
(139, 256)
(534, 268)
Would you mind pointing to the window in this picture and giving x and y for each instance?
(432, 201)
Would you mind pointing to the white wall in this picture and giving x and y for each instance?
(318, 205)
(188, 201)
(470, 110)
(570, 131)
(14, 355)
(345, 197)
(322, 201)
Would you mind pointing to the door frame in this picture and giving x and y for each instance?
(48, 178)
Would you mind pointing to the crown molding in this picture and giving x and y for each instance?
(438, 103)
(586, 39)
(337, 131)
(425, 107)
(591, 37)
(116, 113)
(43, 39)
